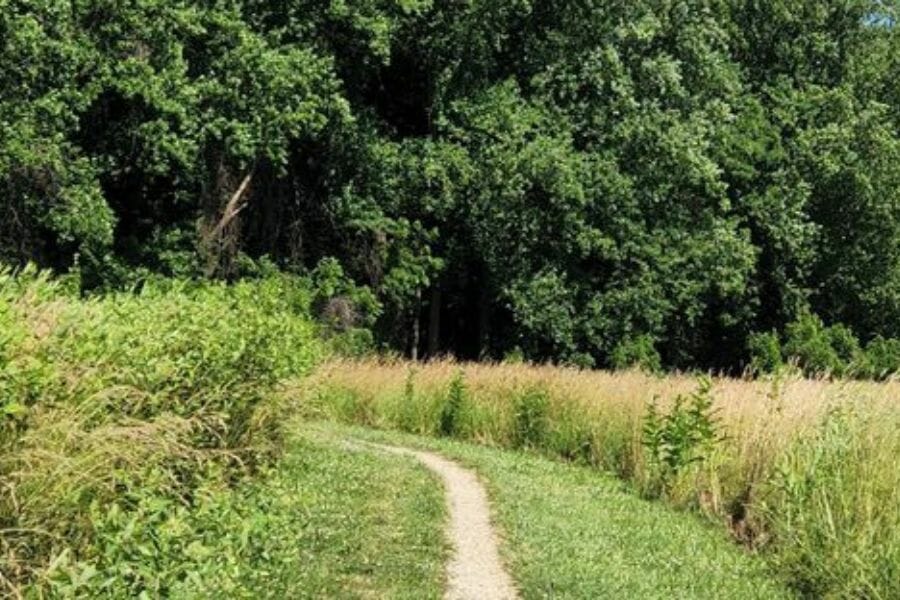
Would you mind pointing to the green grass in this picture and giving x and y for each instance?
(334, 523)
(367, 525)
(326, 522)
(571, 532)
(804, 471)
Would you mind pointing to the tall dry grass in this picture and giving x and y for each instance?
(804, 469)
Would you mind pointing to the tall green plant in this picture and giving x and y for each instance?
(454, 404)
(531, 419)
(684, 436)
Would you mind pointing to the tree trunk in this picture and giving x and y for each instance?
(484, 318)
(414, 342)
(434, 322)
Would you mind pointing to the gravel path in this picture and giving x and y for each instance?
(475, 571)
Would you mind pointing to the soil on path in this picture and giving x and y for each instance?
(475, 571)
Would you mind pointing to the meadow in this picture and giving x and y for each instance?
(153, 442)
(569, 531)
(802, 471)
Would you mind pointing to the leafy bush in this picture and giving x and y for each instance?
(514, 356)
(812, 345)
(339, 301)
(765, 352)
(637, 352)
(820, 350)
(135, 396)
(356, 342)
(880, 360)
(680, 438)
(845, 345)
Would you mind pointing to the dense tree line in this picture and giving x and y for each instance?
(583, 181)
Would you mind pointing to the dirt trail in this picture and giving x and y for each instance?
(475, 571)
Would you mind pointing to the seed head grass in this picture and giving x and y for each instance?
(803, 469)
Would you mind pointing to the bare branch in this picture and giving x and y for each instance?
(232, 209)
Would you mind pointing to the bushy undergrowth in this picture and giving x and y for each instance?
(119, 409)
(784, 463)
(815, 349)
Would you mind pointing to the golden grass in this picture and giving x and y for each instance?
(803, 469)
(760, 419)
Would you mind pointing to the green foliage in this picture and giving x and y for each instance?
(765, 352)
(346, 311)
(312, 526)
(136, 400)
(581, 177)
(880, 360)
(682, 437)
(530, 412)
(819, 350)
(357, 342)
(332, 284)
(409, 413)
(844, 342)
(809, 343)
(451, 413)
(836, 537)
(637, 352)
(514, 357)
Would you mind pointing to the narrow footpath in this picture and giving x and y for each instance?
(475, 571)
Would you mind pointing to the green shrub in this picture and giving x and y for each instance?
(765, 352)
(514, 356)
(820, 350)
(338, 301)
(844, 343)
(356, 342)
(809, 343)
(880, 360)
(579, 360)
(530, 413)
(683, 437)
(127, 397)
(639, 352)
(451, 414)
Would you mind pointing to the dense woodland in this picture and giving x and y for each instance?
(597, 183)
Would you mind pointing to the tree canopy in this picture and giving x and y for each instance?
(579, 181)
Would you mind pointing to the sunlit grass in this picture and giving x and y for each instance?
(570, 532)
(823, 506)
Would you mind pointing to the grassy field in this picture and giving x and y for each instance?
(143, 450)
(571, 532)
(802, 470)
(327, 523)
(324, 522)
